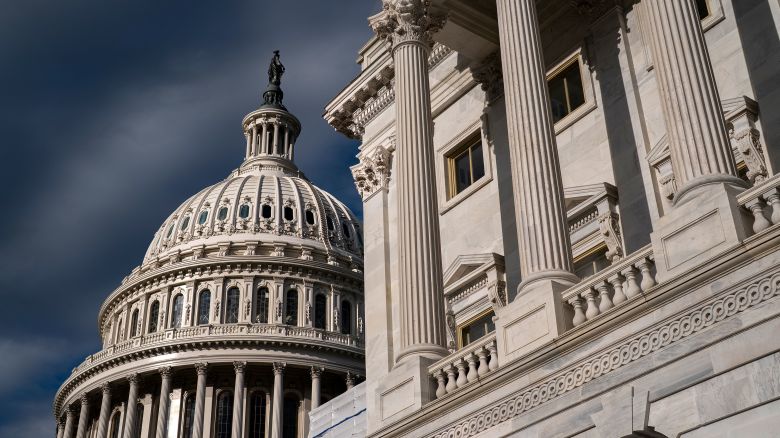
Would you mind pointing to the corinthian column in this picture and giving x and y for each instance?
(60, 428)
(200, 397)
(69, 415)
(545, 251)
(408, 26)
(699, 146)
(83, 416)
(105, 410)
(132, 406)
(165, 401)
(238, 398)
(316, 374)
(276, 408)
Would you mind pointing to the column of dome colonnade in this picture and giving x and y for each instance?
(408, 25)
(701, 154)
(166, 375)
(544, 246)
(238, 398)
(81, 431)
(132, 405)
(105, 410)
(316, 374)
(70, 413)
(200, 398)
(278, 400)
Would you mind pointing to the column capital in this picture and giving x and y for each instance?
(165, 372)
(489, 74)
(133, 379)
(84, 399)
(407, 21)
(372, 174)
(350, 379)
(279, 368)
(201, 368)
(105, 388)
(70, 412)
(239, 366)
(316, 372)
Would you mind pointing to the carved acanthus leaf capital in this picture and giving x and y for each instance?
(165, 372)
(373, 172)
(201, 368)
(489, 74)
(407, 21)
(316, 372)
(105, 388)
(133, 379)
(279, 368)
(239, 367)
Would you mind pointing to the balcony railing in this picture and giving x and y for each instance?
(249, 330)
(763, 202)
(465, 366)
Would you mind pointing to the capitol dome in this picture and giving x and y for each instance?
(245, 313)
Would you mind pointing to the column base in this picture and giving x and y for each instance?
(536, 316)
(705, 222)
(404, 390)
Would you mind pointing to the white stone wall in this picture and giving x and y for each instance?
(341, 417)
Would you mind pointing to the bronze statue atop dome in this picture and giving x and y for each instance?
(275, 70)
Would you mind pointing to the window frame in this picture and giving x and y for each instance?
(586, 77)
(456, 145)
(459, 327)
(200, 312)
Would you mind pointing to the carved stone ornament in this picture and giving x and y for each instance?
(373, 172)
(316, 372)
(239, 367)
(279, 368)
(106, 388)
(407, 21)
(490, 76)
(201, 368)
(748, 143)
(166, 372)
(610, 229)
(497, 294)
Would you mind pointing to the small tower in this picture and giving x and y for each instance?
(271, 131)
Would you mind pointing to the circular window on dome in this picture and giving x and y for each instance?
(222, 213)
(289, 214)
(266, 211)
(243, 211)
(202, 217)
(309, 217)
(170, 231)
(185, 223)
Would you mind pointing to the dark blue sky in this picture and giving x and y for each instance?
(111, 114)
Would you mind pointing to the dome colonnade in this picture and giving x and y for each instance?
(246, 312)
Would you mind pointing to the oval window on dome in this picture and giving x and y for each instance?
(185, 223)
(345, 228)
(243, 211)
(222, 213)
(170, 231)
(266, 211)
(329, 222)
(202, 217)
(309, 217)
(288, 214)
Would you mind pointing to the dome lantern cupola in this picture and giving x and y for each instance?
(271, 130)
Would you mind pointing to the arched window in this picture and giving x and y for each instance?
(134, 324)
(185, 223)
(119, 331)
(257, 408)
(115, 420)
(222, 213)
(202, 217)
(329, 223)
(289, 214)
(345, 228)
(310, 217)
(178, 304)
(266, 211)
(224, 414)
(290, 416)
(170, 231)
(243, 211)
(189, 416)
(204, 305)
(320, 311)
(231, 308)
(262, 305)
(291, 311)
(139, 419)
(346, 317)
(154, 316)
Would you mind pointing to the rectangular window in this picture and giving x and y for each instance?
(476, 328)
(566, 90)
(592, 263)
(703, 8)
(466, 167)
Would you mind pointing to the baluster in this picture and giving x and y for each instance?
(493, 365)
(604, 302)
(593, 309)
(451, 385)
(617, 284)
(647, 276)
(441, 390)
(760, 223)
(472, 361)
(579, 315)
(461, 366)
(632, 287)
(483, 365)
(772, 198)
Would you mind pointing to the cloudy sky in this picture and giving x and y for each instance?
(111, 114)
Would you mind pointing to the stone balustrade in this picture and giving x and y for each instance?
(763, 202)
(207, 331)
(612, 287)
(464, 366)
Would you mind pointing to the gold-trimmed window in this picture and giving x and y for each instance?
(567, 91)
(466, 166)
(476, 328)
(591, 262)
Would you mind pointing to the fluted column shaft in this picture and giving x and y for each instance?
(60, 429)
(105, 411)
(69, 415)
(132, 406)
(277, 406)
(542, 229)
(238, 399)
(200, 398)
(83, 417)
(696, 130)
(316, 374)
(409, 25)
(165, 402)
